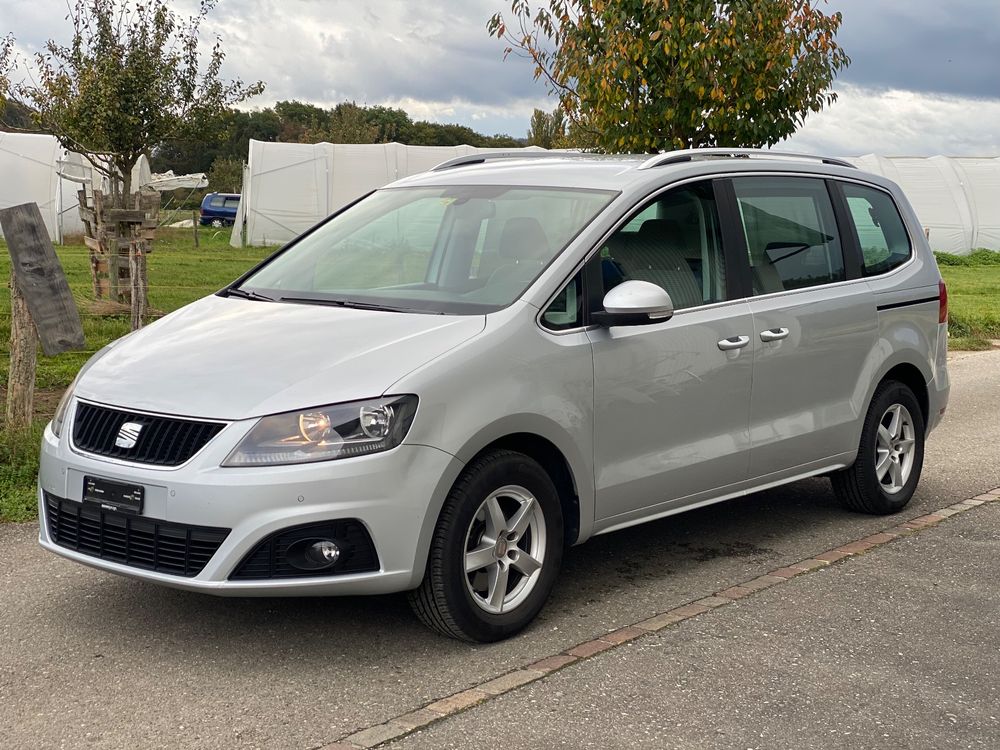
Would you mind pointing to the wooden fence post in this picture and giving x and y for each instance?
(42, 307)
(23, 360)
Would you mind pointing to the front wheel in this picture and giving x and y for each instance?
(890, 456)
(496, 550)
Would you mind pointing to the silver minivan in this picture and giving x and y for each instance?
(448, 381)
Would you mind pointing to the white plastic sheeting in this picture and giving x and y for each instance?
(288, 187)
(29, 173)
(957, 199)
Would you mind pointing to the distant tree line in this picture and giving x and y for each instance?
(300, 122)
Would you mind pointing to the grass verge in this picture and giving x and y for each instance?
(18, 470)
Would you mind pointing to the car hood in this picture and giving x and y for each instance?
(229, 358)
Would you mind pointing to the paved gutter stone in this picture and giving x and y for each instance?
(510, 681)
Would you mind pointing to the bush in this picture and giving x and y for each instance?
(980, 257)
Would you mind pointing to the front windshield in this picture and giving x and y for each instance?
(467, 249)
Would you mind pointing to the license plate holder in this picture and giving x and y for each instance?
(117, 497)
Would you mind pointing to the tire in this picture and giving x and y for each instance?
(218, 223)
(487, 605)
(860, 487)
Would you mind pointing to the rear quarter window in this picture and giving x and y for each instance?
(878, 227)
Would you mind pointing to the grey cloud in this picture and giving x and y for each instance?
(948, 47)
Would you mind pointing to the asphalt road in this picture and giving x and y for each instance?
(901, 642)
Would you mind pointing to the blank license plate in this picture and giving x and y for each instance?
(114, 496)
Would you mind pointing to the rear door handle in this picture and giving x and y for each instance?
(734, 342)
(773, 334)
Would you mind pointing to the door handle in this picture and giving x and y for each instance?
(774, 334)
(734, 342)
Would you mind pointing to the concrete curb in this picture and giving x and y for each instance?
(450, 705)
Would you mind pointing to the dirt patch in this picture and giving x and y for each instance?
(45, 403)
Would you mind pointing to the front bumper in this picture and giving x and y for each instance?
(396, 495)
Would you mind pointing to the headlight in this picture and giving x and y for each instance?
(60, 416)
(356, 428)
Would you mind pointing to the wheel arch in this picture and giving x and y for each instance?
(551, 459)
(909, 375)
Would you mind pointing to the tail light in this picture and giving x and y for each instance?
(942, 302)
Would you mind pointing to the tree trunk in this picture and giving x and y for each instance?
(23, 358)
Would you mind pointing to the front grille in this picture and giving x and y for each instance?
(269, 559)
(138, 541)
(162, 441)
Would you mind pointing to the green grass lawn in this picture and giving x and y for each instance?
(179, 273)
(973, 298)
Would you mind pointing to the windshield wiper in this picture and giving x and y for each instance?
(248, 294)
(352, 304)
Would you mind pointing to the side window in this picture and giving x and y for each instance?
(791, 232)
(674, 242)
(217, 201)
(879, 228)
(566, 310)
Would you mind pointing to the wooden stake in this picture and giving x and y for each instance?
(23, 358)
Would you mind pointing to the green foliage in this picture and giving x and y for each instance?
(980, 257)
(547, 130)
(226, 175)
(6, 63)
(132, 76)
(638, 75)
(298, 122)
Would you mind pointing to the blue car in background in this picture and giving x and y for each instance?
(219, 209)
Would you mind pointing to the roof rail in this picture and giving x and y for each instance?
(690, 154)
(461, 161)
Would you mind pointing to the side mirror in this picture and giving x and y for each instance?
(635, 303)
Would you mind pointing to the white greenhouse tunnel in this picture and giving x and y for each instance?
(956, 198)
(288, 187)
(36, 169)
(29, 173)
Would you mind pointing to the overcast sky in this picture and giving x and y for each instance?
(925, 77)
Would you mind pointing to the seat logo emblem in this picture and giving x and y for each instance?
(128, 435)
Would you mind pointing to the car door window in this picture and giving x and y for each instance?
(674, 242)
(878, 227)
(790, 231)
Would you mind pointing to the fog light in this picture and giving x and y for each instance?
(313, 554)
(324, 552)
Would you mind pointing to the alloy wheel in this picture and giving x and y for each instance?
(504, 549)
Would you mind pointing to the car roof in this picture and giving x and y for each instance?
(624, 172)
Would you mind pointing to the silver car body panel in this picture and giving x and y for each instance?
(650, 420)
